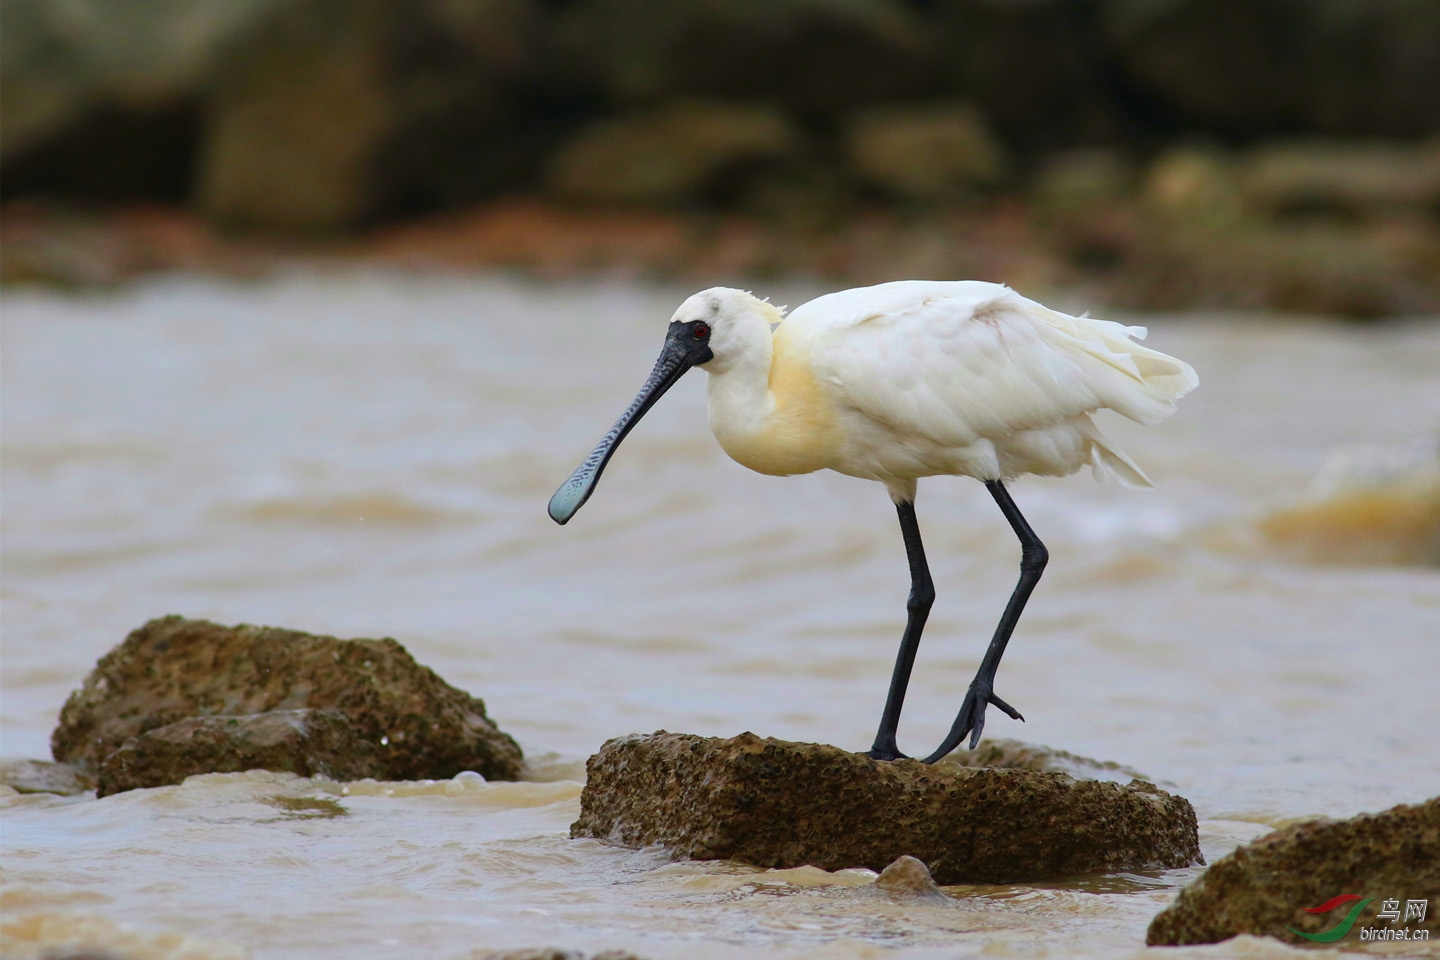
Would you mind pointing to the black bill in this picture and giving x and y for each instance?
(686, 344)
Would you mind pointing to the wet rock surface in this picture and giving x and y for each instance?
(42, 776)
(907, 878)
(412, 723)
(1006, 754)
(1264, 887)
(310, 743)
(778, 804)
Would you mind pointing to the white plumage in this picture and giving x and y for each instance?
(905, 380)
(939, 377)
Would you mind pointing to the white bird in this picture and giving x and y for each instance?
(905, 380)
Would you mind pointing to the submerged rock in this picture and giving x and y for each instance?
(310, 743)
(42, 776)
(173, 669)
(1265, 887)
(908, 878)
(777, 804)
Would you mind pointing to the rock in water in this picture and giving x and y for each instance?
(172, 669)
(907, 878)
(1265, 887)
(310, 743)
(42, 776)
(1009, 754)
(777, 804)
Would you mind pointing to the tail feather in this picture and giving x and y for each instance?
(1108, 463)
(1133, 380)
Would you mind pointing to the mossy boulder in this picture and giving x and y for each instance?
(774, 803)
(1267, 887)
(173, 669)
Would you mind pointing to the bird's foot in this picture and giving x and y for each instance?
(886, 751)
(971, 718)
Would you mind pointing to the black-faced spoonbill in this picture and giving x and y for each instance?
(905, 380)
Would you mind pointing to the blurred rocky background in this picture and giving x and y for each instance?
(1276, 154)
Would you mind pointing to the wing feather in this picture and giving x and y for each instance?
(957, 362)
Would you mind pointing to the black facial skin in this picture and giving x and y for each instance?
(686, 345)
(698, 334)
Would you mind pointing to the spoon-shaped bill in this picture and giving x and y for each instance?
(677, 357)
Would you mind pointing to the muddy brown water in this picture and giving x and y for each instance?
(365, 454)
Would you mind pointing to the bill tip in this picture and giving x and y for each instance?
(565, 503)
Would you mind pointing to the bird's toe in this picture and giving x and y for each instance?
(1010, 711)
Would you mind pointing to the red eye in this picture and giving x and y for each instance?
(701, 331)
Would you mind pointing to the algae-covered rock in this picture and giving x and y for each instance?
(778, 804)
(1266, 886)
(310, 743)
(172, 669)
(1006, 754)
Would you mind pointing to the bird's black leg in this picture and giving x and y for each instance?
(922, 596)
(1033, 557)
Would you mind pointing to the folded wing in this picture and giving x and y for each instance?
(954, 362)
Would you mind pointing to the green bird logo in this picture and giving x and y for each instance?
(1341, 928)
